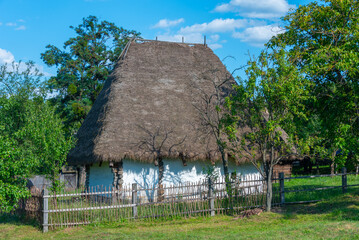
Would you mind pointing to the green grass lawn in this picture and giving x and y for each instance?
(337, 218)
(311, 183)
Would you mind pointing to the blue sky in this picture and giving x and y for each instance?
(232, 27)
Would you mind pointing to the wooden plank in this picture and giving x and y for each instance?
(45, 212)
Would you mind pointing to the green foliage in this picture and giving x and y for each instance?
(20, 79)
(322, 40)
(264, 106)
(83, 66)
(210, 172)
(43, 139)
(267, 102)
(31, 133)
(13, 172)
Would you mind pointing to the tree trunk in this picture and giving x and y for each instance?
(161, 170)
(224, 162)
(317, 164)
(269, 190)
(225, 169)
(332, 165)
(226, 175)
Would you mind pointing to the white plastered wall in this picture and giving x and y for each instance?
(146, 174)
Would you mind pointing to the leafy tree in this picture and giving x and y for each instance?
(43, 139)
(265, 104)
(83, 66)
(212, 113)
(28, 122)
(20, 83)
(15, 86)
(322, 40)
(14, 170)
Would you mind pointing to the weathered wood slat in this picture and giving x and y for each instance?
(131, 202)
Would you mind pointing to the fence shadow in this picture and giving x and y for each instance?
(338, 208)
(324, 194)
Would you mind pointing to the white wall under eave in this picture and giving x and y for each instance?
(146, 174)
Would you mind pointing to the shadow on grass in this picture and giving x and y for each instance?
(344, 207)
(310, 194)
(18, 219)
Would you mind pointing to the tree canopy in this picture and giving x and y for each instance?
(32, 136)
(83, 65)
(263, 107)
(322, 40)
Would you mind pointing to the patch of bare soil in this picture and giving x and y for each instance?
(248, 213)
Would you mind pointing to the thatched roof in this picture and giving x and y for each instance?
(149, 103)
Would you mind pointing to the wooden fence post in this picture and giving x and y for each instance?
(211, 197)
(134, 200)
(281, 186)
(344, 179)
(45, 220)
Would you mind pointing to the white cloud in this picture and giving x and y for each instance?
(11, 24)
(215, 46)
(22, 27)
(192, 38)
(214, 37)
(188, 38)
(6, 57)
(258, 35)
(165, 23)
(256, 8)
(15, 25)
(217, 25)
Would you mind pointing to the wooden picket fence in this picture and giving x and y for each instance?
(204, 198)
(98, 204)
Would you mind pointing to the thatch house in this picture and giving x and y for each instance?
(145, 123)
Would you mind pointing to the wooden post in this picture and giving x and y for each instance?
(205, 40)
(211, 197)
(81, 177)
(281, 185)
(45, 220)
(233, 183)
(344, 179)
(161, 171)
(134, 200)
(117, 171)
(182, 39)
